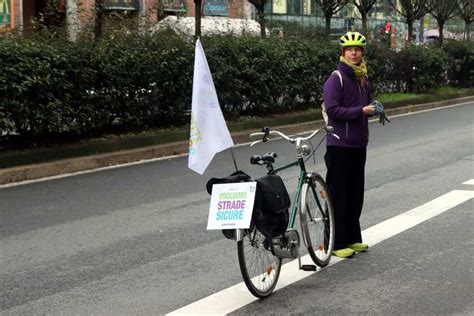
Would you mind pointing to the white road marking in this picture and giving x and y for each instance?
(470, 182)
(14, 184)
(428, 110)
(238, 296)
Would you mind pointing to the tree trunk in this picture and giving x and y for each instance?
(410, 31)
(364, 22)
(468, 30)
(99, 18)
(422, 31)
(261, 20)
(197, 19)
(71, 20)
(260, 6)
(328, 26)
(441, 30)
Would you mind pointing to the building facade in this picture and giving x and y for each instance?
(80, 15)
(21, 14)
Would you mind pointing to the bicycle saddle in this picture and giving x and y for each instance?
(262, 159)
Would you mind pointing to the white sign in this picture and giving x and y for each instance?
(231, 205)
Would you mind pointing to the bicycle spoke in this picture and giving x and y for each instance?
(260, 268)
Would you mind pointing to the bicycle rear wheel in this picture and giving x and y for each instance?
(260, 268)
(317, 220)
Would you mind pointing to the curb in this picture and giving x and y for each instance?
(60, 167)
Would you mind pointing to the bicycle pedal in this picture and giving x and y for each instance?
(308, 267)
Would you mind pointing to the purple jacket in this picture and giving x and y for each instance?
(344, 109)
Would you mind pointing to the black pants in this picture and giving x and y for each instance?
(345, 179)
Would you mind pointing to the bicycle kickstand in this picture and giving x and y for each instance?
(305, 267)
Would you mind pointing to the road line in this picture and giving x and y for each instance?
(470, 182)
(237, 296)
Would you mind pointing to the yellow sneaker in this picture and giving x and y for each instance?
(358, 246)
(343, 253)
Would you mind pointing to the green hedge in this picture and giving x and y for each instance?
(259, 77)
(460, 69)
(54, 88)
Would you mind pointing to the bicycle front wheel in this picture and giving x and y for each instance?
(260, 268)
(317, 220)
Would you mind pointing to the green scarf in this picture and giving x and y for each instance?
(359, 70)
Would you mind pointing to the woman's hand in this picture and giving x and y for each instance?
(368, 110)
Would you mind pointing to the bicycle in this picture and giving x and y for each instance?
(260, 259)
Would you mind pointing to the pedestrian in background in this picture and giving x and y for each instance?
(347, 99)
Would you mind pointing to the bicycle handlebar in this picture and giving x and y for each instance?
(266, 132)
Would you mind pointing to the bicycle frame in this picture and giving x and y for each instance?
(301, 178)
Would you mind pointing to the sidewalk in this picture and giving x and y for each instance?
(65, 166)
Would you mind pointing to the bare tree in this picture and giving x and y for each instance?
(466, 12)
(442, 11)
(411, 10)
(364, 7)
(330, 8)
(260, 6)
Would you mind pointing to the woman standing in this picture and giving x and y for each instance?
(347, 100)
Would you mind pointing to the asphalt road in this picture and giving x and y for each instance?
(133, 240)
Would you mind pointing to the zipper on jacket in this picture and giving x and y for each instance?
(347, 129)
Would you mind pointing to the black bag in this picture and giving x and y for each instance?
(270, 211)
(238, 176)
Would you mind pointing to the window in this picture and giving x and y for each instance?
(306, 7)
(173, 6)
(215, 7)
(5, 13)
(294, 7)
(279, 6)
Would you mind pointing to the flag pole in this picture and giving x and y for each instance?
(233, 159)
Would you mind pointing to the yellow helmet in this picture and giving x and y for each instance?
(353, 39)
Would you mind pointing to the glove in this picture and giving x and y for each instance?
(382, 118)
(378, 107)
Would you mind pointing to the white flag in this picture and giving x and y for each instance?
(209, 134)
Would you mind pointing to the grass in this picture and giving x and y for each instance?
(398, 97)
